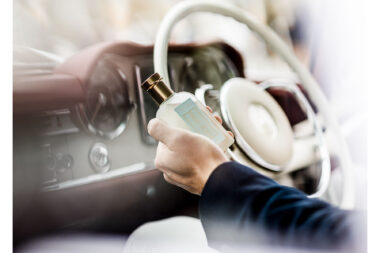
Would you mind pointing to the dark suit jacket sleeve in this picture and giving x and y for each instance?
(242, 206)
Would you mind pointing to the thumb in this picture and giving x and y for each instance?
(164, 133)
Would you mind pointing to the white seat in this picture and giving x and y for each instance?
(177, 234)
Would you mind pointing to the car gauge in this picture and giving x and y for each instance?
(106, 107)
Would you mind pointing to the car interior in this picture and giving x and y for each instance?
(83, 161)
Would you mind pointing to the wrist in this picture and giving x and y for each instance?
(215, 163)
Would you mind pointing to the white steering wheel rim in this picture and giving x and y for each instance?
(185, 8)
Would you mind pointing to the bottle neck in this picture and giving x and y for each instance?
(168, 98)
(160, 92)
(156, 87)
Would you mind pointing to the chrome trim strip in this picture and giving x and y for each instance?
(124, 171)
(57, 112)
(63, 131)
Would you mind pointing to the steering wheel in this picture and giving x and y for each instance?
(273, 149)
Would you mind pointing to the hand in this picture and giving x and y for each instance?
(187, 159)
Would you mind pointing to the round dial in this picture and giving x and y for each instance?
(107, 105)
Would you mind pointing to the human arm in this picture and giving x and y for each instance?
(238, 204)
(254, 209)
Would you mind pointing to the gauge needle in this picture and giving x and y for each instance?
(102, 100)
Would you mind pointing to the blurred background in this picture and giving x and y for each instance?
(65, 27)
(326, 35)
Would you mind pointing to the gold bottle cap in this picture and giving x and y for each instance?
(157, 88)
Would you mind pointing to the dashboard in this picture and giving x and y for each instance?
(106, 131)
(80, 138)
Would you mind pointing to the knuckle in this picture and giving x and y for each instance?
(176, 139)
(182, 140)
(186, 139)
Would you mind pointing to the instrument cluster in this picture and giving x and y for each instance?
(107, 105)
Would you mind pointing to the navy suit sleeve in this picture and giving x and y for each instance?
(242, 206)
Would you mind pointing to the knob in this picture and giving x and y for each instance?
(98, 157)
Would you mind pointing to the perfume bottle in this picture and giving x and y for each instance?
(183, 110)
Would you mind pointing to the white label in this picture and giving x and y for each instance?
(198, 121)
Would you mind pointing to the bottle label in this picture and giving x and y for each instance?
(198, 121)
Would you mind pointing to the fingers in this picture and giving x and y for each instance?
(172, 178)
(219, 119)
(163, 156)
(168, 179)
(169, 160)
(158, 130)
(164, 133)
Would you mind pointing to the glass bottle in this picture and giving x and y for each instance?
(183, 110)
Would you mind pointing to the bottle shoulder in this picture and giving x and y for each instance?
(179, 97)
